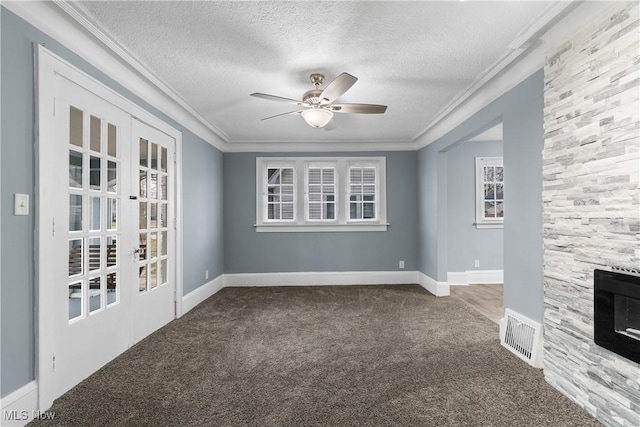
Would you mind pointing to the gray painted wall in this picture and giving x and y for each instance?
(247, 251)
(203, 229)
(17, 176)
(203, 239)
(523, 133)
(521, 111)
(428, 213)
(466, 243)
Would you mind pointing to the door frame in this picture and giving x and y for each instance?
(49, 67)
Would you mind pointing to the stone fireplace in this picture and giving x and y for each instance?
(591, 213)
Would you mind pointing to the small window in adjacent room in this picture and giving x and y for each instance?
(489, 192)
(298, 194)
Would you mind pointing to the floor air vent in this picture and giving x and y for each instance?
(522, 336)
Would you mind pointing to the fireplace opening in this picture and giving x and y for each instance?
(627, 316)
(617, 313)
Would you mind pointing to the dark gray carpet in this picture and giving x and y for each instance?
(331, 356)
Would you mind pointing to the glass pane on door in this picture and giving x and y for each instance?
(92, 226)
(95, 141)
(95, 294)
(152, 213)
(112, 141)
(75, 169)
(76, 126)
(76, 300)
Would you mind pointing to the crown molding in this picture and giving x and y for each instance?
(491, 91)
(524, 58)
(578, 20)
(319, 146)
(458, 102)
(130, 59)
(67, 26)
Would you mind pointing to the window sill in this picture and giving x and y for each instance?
(318, 228)
(480, 225)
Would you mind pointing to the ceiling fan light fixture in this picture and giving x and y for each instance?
(317, 117)
(318, 104)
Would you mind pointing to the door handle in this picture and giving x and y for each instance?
(136, 254)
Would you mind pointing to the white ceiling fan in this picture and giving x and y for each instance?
(318, 104)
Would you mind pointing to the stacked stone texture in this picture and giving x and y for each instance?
(591, 205)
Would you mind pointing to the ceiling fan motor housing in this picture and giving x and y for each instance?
(312, 96)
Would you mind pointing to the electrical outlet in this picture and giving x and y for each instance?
(206, 274)
(476, 263)
(401, 264)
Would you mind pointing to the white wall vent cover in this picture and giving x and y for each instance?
(522, 336)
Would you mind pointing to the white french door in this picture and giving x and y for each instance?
(107, 236)
(91, 262)
(153, 297)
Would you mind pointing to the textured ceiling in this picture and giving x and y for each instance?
(415, 57)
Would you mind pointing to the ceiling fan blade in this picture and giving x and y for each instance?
(330, 126)
(283, 114)
(280, 99)
(337, 87)
(359, 108)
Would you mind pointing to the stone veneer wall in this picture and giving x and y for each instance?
(591, 208)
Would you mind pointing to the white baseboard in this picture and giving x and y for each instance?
(476, 277)
(489, 277)
(457, 278)
(195, 297)
(21, 406)
(321, 278)
(439, 289)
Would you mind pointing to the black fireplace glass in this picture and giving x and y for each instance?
(617, 313)
(627, 316)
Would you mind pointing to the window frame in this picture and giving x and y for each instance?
(481, 220)
(301, 221)
(336, 191)
(265, 191)
(362, 165)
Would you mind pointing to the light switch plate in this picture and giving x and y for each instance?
(21, 204)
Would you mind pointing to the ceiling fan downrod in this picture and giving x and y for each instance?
(312, 96)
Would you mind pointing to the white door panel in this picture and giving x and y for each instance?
(93, 234)
(153, 298)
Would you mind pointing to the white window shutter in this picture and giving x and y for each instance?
(362, 193)
(321, 193)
